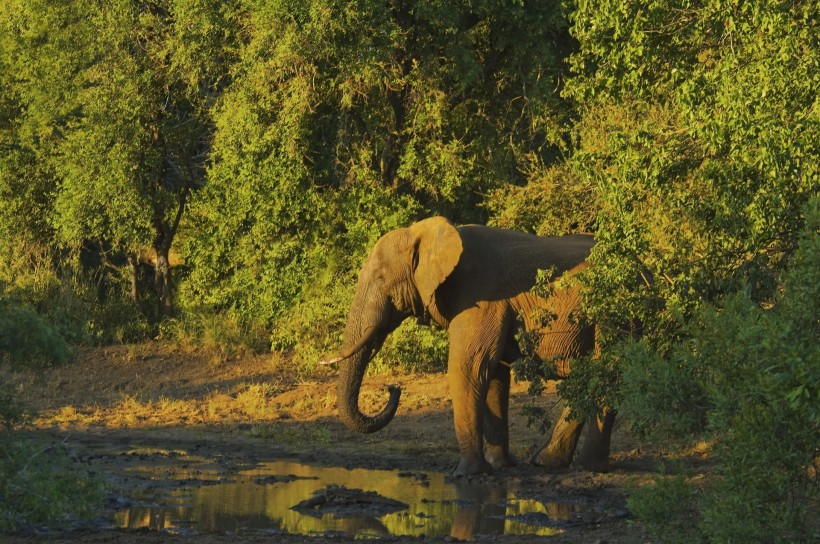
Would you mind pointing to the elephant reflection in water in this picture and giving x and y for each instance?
(478, 517)
(492, 514)
(475, 282)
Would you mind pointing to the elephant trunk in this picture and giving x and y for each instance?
(350, 381)
(367, 338)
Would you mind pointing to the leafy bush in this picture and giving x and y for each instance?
(555, 201)
(699, 132)
(42, 485)
(28, 339)
(763, 383)
(12, 411)
(311, 328)
(413, 348)
(85, 308)
(29, 274)
(662, 397)
(82, 304)
(749, 378)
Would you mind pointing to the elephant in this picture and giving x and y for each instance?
(475, 282)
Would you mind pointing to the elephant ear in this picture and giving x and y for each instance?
(437, 252)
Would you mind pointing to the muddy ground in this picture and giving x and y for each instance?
(155, 399)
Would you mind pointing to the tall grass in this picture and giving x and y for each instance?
(223, 335)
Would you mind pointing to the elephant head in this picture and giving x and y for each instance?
(398, 280)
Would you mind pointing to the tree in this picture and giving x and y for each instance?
(698, 128)
(700, 131)
(124, 131)
(36, 91)
(346, 119)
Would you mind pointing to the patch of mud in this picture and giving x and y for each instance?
(343, 502)
(286, 479)
(539, 519)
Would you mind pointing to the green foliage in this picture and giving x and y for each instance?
(555, 201)
(41, 485)
(343, 121)
(413, 348)
(749, 378)
(663, 397)
(698, 132)
(83, 305)
(696, 137)
(106, 120)
(28, 339)
(311, 327)
(764, 370)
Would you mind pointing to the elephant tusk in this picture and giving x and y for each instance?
(366, 337)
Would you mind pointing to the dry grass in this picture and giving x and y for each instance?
(246, 402)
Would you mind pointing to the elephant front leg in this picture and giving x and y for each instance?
(468, 417)
(479, 389)
(561, 446)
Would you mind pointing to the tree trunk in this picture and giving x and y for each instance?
(134, 267)
(165, 232)
(397, 98)
(162, 281)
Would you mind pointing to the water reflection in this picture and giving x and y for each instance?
(261, 500)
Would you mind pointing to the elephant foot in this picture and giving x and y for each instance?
(471, 467)
(498, 458)
(550, 460)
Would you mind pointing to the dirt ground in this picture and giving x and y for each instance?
(251, 409)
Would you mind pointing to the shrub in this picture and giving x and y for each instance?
(763, 383)
(662, 397)
(413, 348)
(83, 304)
(42, 485)
(27, 338)
(313, 326)
(748, 377)
(12, 412)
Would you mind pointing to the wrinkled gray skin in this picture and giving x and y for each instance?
(473, 281)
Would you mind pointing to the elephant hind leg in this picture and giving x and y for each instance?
(496, 423)
(561, 446)
(594, 454)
